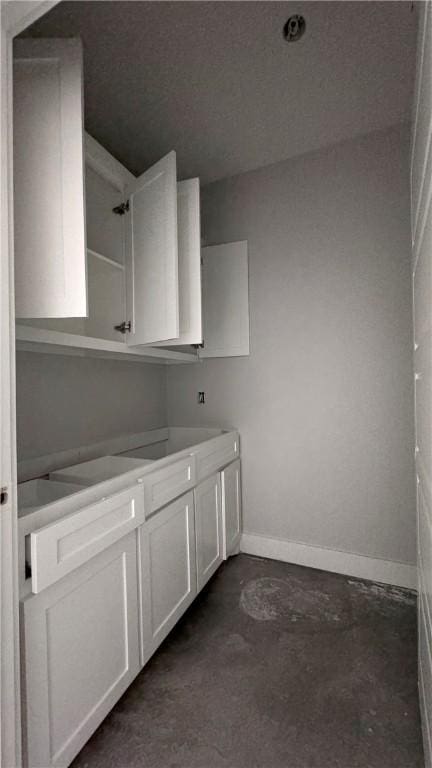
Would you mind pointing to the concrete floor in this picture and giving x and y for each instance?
(274, 666)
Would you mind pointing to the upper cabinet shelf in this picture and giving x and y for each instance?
(31, 339)
(106, 259)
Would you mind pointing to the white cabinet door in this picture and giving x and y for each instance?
(81, 651)
(189, 255)
(231, 508)
(208, 528)
(225, 300)
(168, 571)
(50, 249)
(151, 255)
(189, 263)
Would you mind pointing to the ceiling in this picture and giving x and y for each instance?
(217, 82)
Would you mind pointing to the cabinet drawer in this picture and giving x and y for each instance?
(217, 454)
(60, 547)
(165, 484)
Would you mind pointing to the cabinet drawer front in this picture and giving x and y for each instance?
(221, 452)
(59, 548)
(167, 483)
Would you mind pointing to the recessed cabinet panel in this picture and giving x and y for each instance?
(64, 545)
(50, 249)
(81, 651)
(208, 525)
(168, 571)
(225, 300)
(151, 255)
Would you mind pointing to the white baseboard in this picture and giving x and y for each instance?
(384, 571)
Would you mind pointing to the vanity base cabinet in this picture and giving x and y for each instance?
(208, 525)
(167, 571)
(81, 651)
(231, 508)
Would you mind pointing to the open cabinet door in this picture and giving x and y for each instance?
(189, 264)
(225, 300)
(50, 247)
(189, 256)
(151, 255)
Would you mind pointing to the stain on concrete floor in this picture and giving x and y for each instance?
(274, 666)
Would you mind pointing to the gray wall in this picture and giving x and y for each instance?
(324, 403)
(64, 402)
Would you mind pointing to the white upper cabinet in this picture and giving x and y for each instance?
(152, 304)
(225, 300)
(50, 248)
(118, 262)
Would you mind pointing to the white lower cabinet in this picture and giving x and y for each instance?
(108, 586)
(80, 653)
(168, 570)
(231, 508)
(208, 528)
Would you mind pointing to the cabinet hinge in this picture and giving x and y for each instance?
(123, 327)
(3, 495)
(122, 208)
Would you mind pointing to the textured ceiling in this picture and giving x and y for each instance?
(217, 82)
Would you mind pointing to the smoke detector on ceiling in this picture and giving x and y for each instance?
(294, 28)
